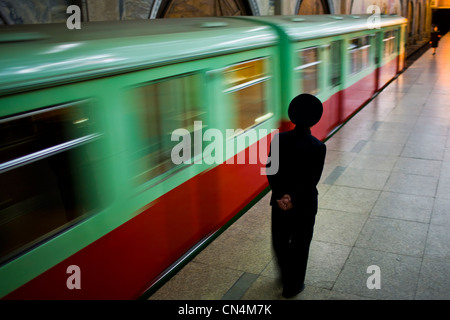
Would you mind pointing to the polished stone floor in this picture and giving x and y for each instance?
(384, 201)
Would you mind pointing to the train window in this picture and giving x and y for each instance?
(162, 107)
(390, 43)
(246, 86)
(309, 70)
(359, 50)
(335, 58)
(47, 174)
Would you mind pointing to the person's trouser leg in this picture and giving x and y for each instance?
(280, 241)
(299, 249)
(291, 236)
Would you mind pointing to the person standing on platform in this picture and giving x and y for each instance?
(294, 192)
(434, 40)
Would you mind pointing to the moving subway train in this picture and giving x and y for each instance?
(93, 205)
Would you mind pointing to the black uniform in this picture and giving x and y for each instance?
(301, 161)
(434, 39)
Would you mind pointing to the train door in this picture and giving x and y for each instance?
(375, 40)
(336, 72)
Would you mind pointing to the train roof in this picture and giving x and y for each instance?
(35, 55)
(306, 27)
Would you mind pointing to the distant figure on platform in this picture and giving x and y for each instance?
(294, 192)
(434, 40)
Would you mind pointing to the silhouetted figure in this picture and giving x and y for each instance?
(434, 40)
(294, 193)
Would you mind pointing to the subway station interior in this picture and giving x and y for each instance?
(144, 145)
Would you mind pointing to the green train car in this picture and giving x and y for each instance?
(126, 147)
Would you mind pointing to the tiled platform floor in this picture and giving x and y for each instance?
(384, 200)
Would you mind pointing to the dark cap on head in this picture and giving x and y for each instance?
(305, 110)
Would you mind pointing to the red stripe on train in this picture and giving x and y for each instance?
(124, 263)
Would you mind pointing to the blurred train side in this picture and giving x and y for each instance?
(87, 117)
